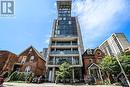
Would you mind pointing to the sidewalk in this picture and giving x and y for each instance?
(11, 84)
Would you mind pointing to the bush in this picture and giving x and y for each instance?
(14, 76)
(5, 75)
(21, 76)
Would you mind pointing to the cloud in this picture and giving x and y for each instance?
(99, 18)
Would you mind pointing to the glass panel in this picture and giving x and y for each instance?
(75, 60)
(63, 59)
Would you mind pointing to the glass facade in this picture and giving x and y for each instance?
(65, 42)
(60, 60)
(65, 24)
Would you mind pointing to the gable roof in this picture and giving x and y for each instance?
(90, 51)
(93, 64)
(31, 47)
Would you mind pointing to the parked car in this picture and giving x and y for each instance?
(1, 81)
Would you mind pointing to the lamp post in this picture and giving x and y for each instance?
(122, 70)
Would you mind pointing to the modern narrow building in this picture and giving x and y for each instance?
(65, 43)
(115, 44)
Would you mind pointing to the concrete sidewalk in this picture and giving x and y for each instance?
(12, 84)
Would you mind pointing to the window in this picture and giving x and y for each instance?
(69, 22)
(23, 59)
(28, 69)
(31, 58)
(30, 50)
(64, 18)
(90, 60)
(58, 31)
(75, 61)
(89, 51)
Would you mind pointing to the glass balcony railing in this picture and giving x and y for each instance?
(50, 63)
(74, 43)
(66, 35)
(64, 52)
(63, 44)
(60, 62)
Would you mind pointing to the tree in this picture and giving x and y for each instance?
(110, 65)
(64, 72)
(125, 61)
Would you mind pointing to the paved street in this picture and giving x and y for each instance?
(8, 84)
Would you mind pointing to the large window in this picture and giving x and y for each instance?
(75, 60)
(60, 60)
(66, 27)
(31, 58)
(23, 59)
(51, 59)
(28, 69)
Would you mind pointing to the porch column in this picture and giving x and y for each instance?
(53, 74)
(73, 75)
(100, 75)
(81, 77)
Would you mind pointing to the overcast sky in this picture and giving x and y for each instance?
(33, 21)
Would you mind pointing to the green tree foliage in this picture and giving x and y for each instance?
(125, 61)
(64, 72)
(111, 65)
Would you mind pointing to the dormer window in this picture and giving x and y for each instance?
(99, 53)
(89, 51)
(90, 60)
(30, 50)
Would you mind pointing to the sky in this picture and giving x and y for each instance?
(32, 23)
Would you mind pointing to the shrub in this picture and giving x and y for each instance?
(5, 75)
(14, 76)
(21, 76)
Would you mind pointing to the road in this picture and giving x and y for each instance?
(11, 84)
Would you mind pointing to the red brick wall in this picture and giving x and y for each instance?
(96, 58)
(7, 61)
(37, 65)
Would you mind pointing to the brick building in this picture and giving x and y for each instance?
(91, 58)
(30, 60)
(7, 60)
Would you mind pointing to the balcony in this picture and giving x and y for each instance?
(62, 44)
(65, 36)
(64, 53)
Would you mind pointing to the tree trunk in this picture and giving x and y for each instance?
(108, 77)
